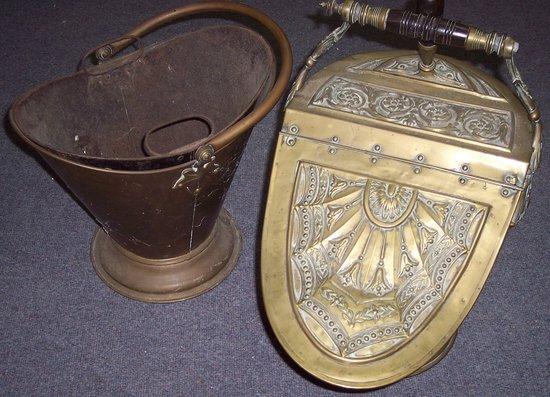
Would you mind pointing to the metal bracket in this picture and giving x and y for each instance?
(205, 163)
(533, 111)
(325, 45)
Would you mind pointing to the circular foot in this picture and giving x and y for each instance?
(437, 357)
(173, 279)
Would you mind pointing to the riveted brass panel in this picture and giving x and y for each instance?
(391, 192)
(364, 285)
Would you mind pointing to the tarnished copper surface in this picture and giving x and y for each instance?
(149, 143)
(102, 117)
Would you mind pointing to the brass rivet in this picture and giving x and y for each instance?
(335, 139)
(204, 153)
(462, 180)
(420, 157)
(332, 150)
(373, 160)
(511, 179)
(505, 192)
(465, 168)
(417, 170)
(291, 141)
(377, 148)
(294, 129)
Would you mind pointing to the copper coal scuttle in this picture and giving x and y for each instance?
(149, 142)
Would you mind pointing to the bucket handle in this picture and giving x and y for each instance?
(221, 140)
(103, 68)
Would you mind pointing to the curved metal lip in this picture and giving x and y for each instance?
(219, 140)
(183, 151)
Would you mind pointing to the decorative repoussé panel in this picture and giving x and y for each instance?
(436, 115)
(369, 261)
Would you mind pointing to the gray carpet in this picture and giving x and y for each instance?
(62, 331)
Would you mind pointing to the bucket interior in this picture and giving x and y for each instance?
(171, 99)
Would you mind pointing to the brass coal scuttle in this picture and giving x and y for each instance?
(396, 177)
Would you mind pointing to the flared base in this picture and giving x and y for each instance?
(440, 355)
(173, 279)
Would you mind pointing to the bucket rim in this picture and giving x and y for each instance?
(219, 140)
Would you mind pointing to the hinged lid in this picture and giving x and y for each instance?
(455, 117)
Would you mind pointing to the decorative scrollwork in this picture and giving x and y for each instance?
(443, 73)
(325, 45)
(205, 163)
(368, 313)
(388, 202)
(483, 125)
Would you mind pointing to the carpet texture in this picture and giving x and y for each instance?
(64, 332)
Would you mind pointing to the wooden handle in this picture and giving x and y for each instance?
(424, 27)
(433, 8)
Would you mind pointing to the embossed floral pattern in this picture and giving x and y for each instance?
(392, 104)
(352, 97)
(387, 201)
(368, 313)
(441, 114)
(483, 125)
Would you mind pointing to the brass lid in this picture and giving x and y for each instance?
(455, 118)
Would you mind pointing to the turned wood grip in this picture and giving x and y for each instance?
(427, 28)
(433, 8)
